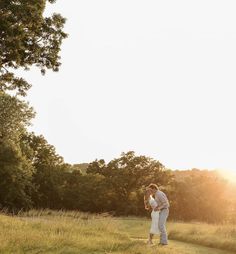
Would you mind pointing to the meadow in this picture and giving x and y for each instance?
(74, 232)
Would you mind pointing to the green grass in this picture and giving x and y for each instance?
(214, 236)
(74, 232)
(59, 234)
(217, 236)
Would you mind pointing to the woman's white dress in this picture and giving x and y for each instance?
(155, 217)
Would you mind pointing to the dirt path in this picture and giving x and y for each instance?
(185, 248)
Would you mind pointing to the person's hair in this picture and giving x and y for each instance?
(146, 199)
(153, 186)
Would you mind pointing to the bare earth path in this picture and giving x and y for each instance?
(183, 248)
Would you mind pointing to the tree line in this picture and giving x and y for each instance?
(33, 175)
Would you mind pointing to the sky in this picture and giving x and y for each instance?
(155, 77)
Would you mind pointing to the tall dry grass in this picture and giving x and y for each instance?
(216, 236)
(48, 231)
(59, 232)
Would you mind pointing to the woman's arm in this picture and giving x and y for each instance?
(146, 203)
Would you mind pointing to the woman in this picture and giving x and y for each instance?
(150, 203)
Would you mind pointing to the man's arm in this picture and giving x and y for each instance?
(163, 201)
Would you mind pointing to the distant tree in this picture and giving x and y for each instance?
(15, 178)
(82, 167)
(126, 177)
(15, 168)
(27, 38)
(50, 170)
(86, 193)
(200, 197)
(97, 167)
(231, 196)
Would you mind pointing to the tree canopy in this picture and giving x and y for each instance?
(27, 38)
(16, 169)
(15, 116)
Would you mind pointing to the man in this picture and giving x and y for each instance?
(162, 206)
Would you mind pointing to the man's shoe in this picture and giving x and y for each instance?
(162, 244)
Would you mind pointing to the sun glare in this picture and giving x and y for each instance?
(229, 175)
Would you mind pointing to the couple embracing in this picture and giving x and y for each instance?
(157, 201)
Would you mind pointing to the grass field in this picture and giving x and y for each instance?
(214, 236)
(73, 232)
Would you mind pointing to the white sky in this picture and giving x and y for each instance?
(156, 77)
